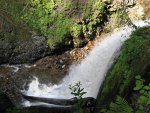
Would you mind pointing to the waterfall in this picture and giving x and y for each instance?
(90, 71)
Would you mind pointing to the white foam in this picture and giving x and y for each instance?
(29, 104)
(16, 68)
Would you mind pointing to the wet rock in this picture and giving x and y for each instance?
(23, 51)
(42, 109)
(30, 51)
(6, 50)
(63, 66)
(5, 103)
(79, 42)
(61, 61)
(117, 4)
(9, 87)
(146, 6)
(136, 12)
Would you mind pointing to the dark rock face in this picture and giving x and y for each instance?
(5, 51)
(88, 101)
(42, 109)
(23, 51)
(5, 103)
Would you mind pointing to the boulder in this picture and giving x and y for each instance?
(29, 51)
(6, 49)
(23, 51)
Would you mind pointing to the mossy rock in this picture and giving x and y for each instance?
(134, 60)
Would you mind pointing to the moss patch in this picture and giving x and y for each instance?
(11, 28)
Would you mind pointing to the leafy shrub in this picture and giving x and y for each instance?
(143, 101)
(78, 93)
(144, 98)
(76, 30)
(43, 17)
(119, 106)
(50, 17)
(94, 13)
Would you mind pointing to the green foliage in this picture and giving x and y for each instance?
(76, 30)
(94, 9)
(42, 16)
(9, 8)
(87, 9)
(121, 15)
(11, 27)
(119, 106)
(133, 57)
(139, 83)
(59, 29)
(50, 17)
(94, 12)
(144, 90)
(78, 93)
(67, 5)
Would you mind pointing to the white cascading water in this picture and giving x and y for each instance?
(90, 71)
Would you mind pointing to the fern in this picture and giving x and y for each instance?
(120, 106)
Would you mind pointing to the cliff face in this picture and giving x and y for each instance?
(44, 26)
(146, 6)
(30, 30)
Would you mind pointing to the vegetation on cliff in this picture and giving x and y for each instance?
(62, 22)
(11, 27)
(79, 20)
(58, 19)
(133, 60)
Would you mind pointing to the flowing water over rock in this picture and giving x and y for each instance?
(90, 72)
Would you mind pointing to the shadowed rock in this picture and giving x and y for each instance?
(88, 102)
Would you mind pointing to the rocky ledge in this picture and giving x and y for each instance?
(23, 51)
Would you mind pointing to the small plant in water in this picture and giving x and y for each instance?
(78, 93)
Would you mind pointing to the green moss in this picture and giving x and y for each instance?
(12, 8)
(11, 27)
(134, 56)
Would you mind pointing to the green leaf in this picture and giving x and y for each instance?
(138, 77)
(142, 91)
(139, 85)
(146, 87)
(142, 99)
